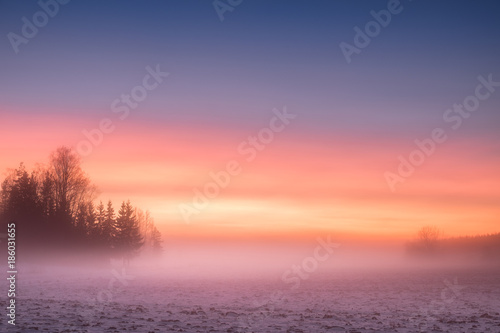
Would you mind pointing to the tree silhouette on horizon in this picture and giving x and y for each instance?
(54, 211)
(128, 239)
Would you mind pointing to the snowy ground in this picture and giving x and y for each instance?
(404, 300)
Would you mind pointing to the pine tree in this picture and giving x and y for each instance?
(100, 214)
(47, 197)
(128, 239)
(100, 218)
(92, 226)
(98, 238)
(24, 202)
(108, 226)
(81, 221)
(20, 203)
(157, 249)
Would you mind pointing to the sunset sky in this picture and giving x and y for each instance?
(324, 171)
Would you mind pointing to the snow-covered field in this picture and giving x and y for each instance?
(141, 300)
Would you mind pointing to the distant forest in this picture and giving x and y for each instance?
(430, 243)
(55, 211)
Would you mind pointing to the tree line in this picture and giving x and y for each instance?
(54, 208)
(430, 243)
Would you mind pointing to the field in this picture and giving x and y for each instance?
(143, 300)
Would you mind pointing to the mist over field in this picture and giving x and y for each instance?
(249, 166)
(261, 288)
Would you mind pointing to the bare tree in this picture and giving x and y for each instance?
(428, 238)
(71, 185)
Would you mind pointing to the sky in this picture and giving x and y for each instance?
(317, 139)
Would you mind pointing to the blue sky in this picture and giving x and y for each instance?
(264, 53)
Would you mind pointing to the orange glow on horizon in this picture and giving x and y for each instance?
(290, 189)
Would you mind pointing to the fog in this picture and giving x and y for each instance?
(229, 286)
(259, 259)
